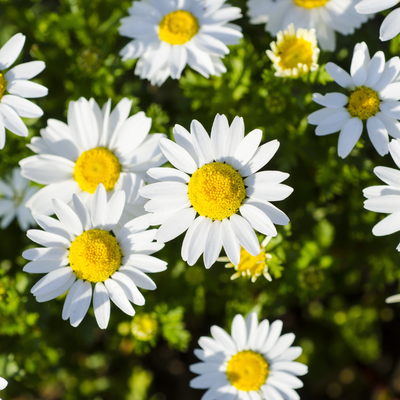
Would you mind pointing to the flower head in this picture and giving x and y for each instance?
(251, 266)
(81, 251)
(372, 98)
(216, 178)
(295, 53)
(97, 146)
(325, 16)
(168, 35)
(390, 26)
(16, 82)
(254, 362)
(144, 327)
(14, 194)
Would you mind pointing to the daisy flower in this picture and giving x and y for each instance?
(250, 266)
(255, 362)
(325, 16)
(373, 98)
(95, 147)
(167, 35)
(16, 192)
(216, 178)
(295, 52)
(16, 82)
(386, 198)
(390, 26)
(80, 252)
(3, 383)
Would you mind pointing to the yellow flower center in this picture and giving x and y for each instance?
(96, 166)
(252, 266)
(363, 103)
(216, 191)
(144, 327)
(295, 51)
(3, 85)
(95, 255)
(178, 27)
(247, 370)
(311, 3)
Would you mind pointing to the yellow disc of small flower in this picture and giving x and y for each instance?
(178, 27)
(247, 371)
(99, 165)
(144, 327)
(216, 191)
(95, 255)
(363, 103)
(311, 3)
(3, 85)
(294, 52)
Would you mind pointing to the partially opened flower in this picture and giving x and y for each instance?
(14, 194)
(16, 82)
(167, 35)
(325, 16)
(295, 53)
(216, 178)
(3, 383)
(372, 99)
(95, 147)
(390, 26)
(253, 363)
(81, 255)
(386, 198)
(251, 266)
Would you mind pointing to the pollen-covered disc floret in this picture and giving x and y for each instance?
(325, 16)
(253, 361)
(95, 255)
(168, 35)
(84, 258)
(295, 53)
(247, 370)
(216, 193)
(178, 27)
(363, 103)
(15, 87)
(99, 165)
(97, 146)
(373, 97)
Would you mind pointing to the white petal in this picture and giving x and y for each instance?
(146, 263)
(53, 226)
(390, 176)
(25, 71)
(139, 278)
(388, 225)
(80, 303)
(114, 210)
(266, 178)
(246, 149)
(48, 239)
(223, 339)
(52, 281)
(67, 217)
(219, 137)
(11, 50)
(391, 108)
(207, 380)
(213, 244)
(292, 367)
(258, 220)
(375, 68)
(330, 100)
(177, 61)
(3, 383)
(277, 216)
(333, 123)
(271, 393)
(251, 327)
(390, 26)
(340, 76)
(168, 175)
(58, 291)
(201, 142)
(378, 135)
(391, 71)
(373, 6)
(392, 125)
(393, 299)
(230, 242)
(283, 343)
(320, 116)
(198, 241)
(239, 332)
(82, 212)
(23, 107)
(261, 335)
(178, 156)
(235, 136)
(10, 119)
(46, 254)
(358, 70)
(130, 289)
(384, 204)
(188, 237)
(99, 205)
(118, 297)
(349, 136)
(43, 267)
(25, 88)
(101, 305)
(245, 234)
(273, 336)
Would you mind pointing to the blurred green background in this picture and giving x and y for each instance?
(335, 274)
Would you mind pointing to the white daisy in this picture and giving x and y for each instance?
(15, 193)
(16, 82)
(386, 198)
(390, 26)
(373, 98)
(295, 53)
(95, 147)
(325, 16)
(80, 251)
(3, 383)
(167, 35)
(255, 362)
(216, 178)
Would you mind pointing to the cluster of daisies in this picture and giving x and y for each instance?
(101, 173)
